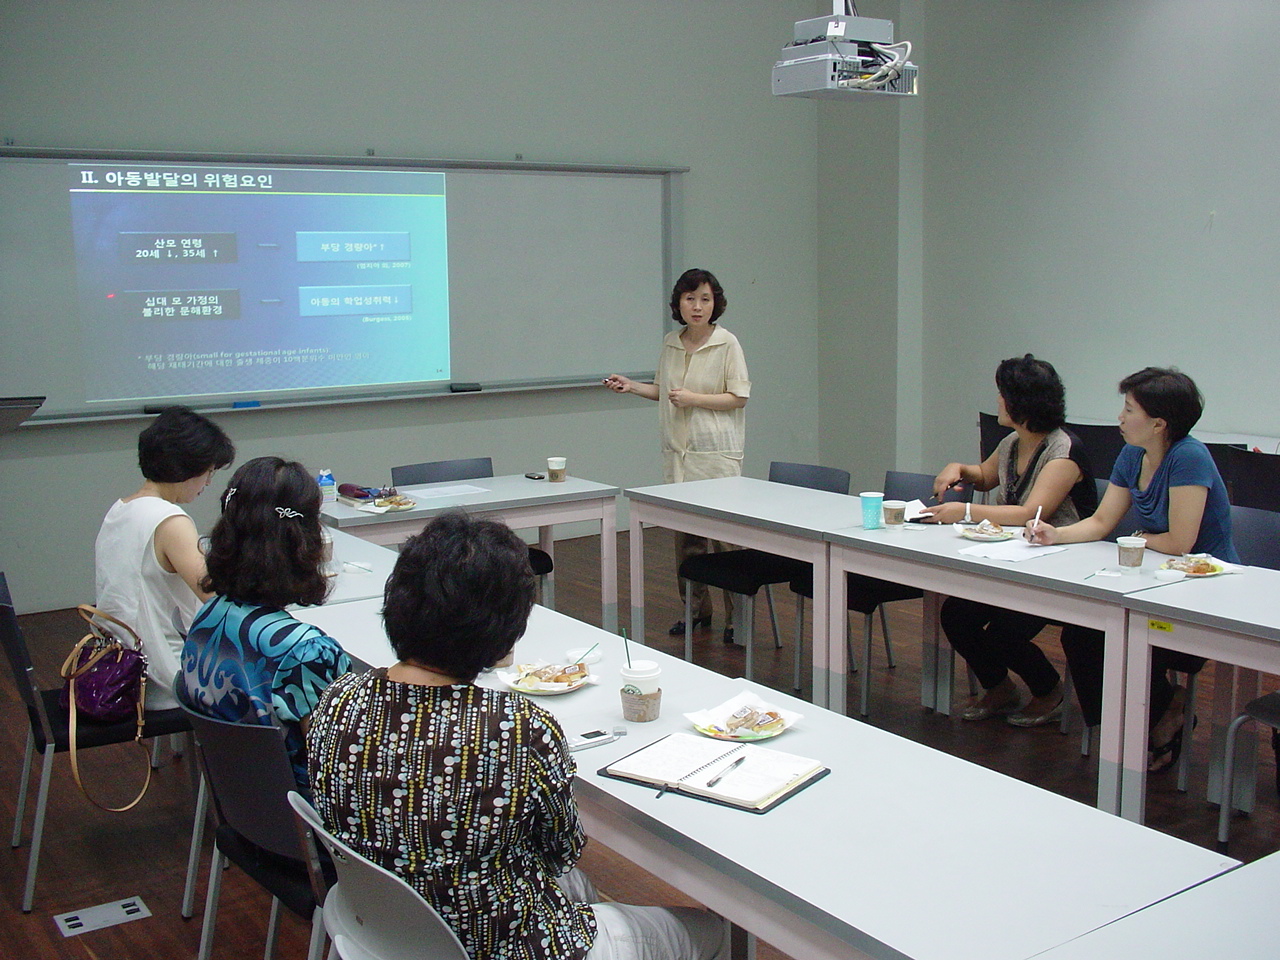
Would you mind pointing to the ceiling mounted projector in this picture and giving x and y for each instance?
(837, 57)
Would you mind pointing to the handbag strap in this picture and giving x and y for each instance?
(137, 738)
(93, 616)
(72, 669)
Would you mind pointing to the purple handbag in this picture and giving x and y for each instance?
(106, 678)
(106, 683)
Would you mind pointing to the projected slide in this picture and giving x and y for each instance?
(195, 280)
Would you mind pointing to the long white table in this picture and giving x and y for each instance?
(517, 501)
(360, 568)
(779, 518)
(1233, 619)
(902, 852)
(1063, 586)
(1233, 916)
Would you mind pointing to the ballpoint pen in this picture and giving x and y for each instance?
(727, 770)
(1035, 523)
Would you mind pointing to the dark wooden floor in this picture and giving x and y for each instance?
(91, 857)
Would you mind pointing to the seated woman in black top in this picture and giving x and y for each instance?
(1037, 467)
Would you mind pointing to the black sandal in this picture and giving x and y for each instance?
(677, 628)
(1161, 758)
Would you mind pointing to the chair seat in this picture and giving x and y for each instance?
(284, 878)
(1265, 710)
(865, 593)
(743, 571)
(157, 723)
(540, 562)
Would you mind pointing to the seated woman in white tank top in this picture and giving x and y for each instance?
(147, 558)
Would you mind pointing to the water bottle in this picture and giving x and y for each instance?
(328, 489)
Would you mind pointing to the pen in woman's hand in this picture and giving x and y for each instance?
(1029, 533)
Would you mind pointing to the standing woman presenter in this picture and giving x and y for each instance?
(701, 389)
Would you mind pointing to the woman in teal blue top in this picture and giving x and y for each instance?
(1172, 483)
(246, 659)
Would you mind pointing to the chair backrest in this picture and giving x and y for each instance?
(1256, 534)
(19, 658)
(1128, 523)
(248, 769)
(375, 910)
(900, 485)
(1254, 477)
(990, 433)
(1102, 444)
(1222, 459)
(440, 471)
(830, 479)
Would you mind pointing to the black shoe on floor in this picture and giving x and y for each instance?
(728, 635)
(677, 628)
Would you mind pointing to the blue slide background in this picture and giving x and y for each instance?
(395, 330)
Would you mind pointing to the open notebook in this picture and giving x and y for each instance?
(708, 769)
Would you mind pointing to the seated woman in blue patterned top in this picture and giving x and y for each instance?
(467, 792)
(246, 659)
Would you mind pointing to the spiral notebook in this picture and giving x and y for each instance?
(710, 770)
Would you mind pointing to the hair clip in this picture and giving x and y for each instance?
(287, 513)
(226, 497)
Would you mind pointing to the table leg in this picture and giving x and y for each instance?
(609, 567)
(547, 544)
(937, 659)
(830, 656)
(1122, 740)
(636, 547)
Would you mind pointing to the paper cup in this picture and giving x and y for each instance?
(1131, 550)
(895, 514)
(871, 509)
(556, 471)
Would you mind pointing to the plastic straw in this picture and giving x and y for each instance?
(583, 658)
(626, 647)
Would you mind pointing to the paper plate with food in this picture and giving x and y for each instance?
(744, 717)
(545, 679)
(1197, 565)
(985, 531)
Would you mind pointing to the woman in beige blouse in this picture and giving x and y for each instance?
(702, 388)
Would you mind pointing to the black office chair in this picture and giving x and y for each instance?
(744, 572)
(1255, 477)
(1256, 534)
(247, 769)
(990, 433)
(48, 733)
(474, 468)
(869, 594)
(1226, 465)
(1102, 444)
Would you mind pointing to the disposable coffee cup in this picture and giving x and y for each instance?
(331, 569)
(556, 471)
(641, 676)
(641, 696)
(895, 514)
(1131, 549)
(872, 504)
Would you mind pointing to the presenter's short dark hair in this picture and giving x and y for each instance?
(180, 444)
(1169, 394)
(1033, 393)
(267, 547)
(691, 280)
(460, 595)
